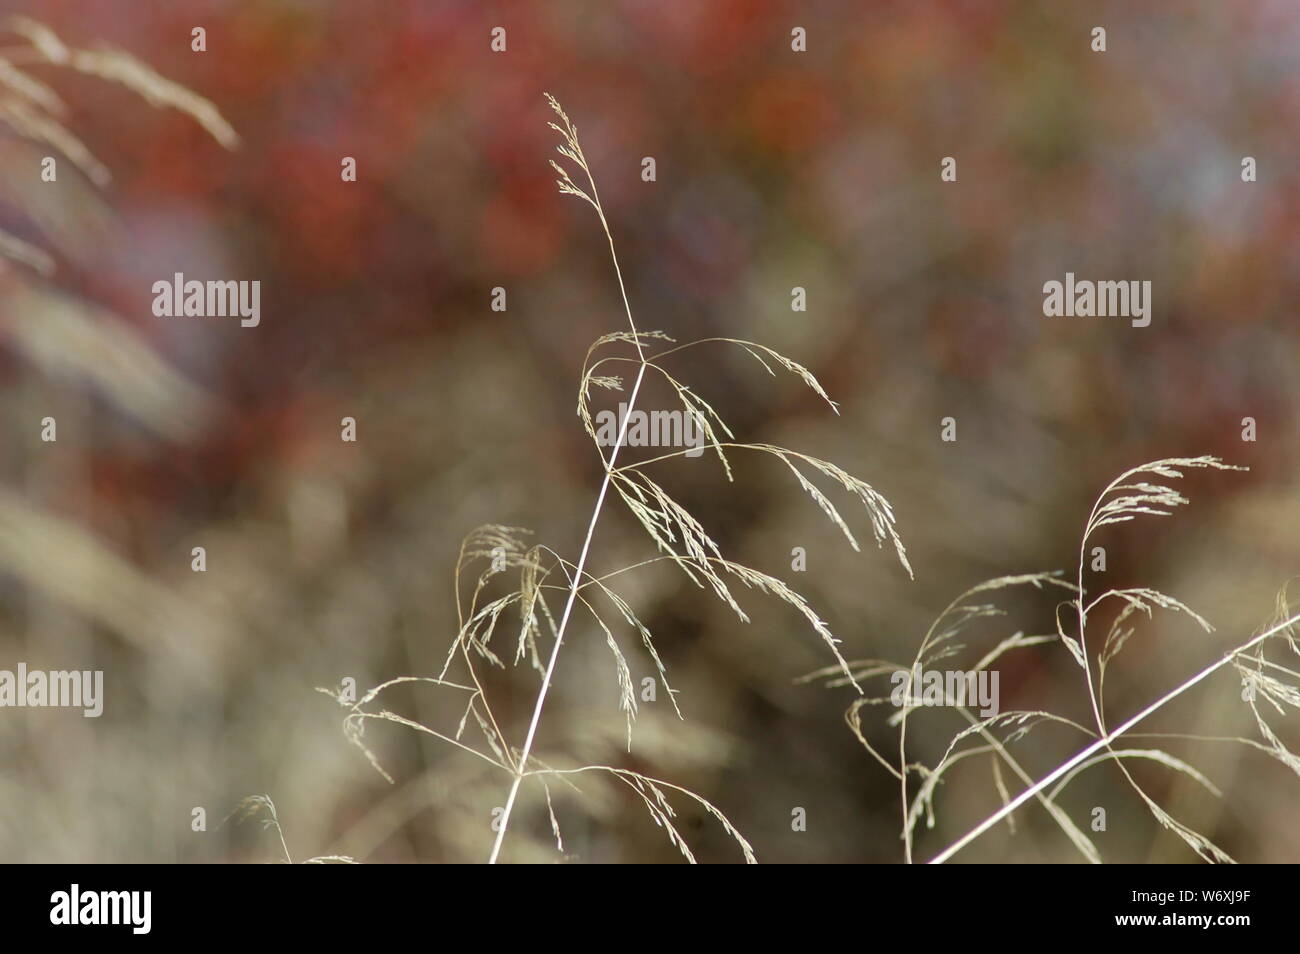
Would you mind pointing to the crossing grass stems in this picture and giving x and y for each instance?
(541, 576)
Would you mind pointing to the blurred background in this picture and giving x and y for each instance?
(775, 169)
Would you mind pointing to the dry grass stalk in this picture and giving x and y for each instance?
(679, 537)
(1140, 492)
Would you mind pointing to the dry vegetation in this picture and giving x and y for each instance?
(503, 580)
(545, 575)
(682, 539)
(1130, 496)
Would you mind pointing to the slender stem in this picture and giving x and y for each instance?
(288, 858)
(522, 763)
(1103, 742)
(902, 725)
(902, 775)
(521, 767)
(1083, 618)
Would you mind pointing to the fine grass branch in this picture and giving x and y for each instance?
(1268, 686)
(545, 577)
(1284, 628)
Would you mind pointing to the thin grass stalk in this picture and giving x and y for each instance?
(521, 765)
(1104, 742)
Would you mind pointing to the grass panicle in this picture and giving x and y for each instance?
(547, 591)
(1268, 685)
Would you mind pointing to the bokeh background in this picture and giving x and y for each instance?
(774, 169)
